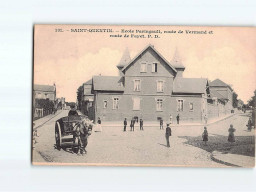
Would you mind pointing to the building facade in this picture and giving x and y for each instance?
(45, 92)
(148, 87)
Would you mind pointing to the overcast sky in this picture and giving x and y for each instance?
(70, 59)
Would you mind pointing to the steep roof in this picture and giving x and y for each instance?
(189, 85)
(149, 47)
(219, 83)
(49, 88)
(215, 93)
(108, 83)
(177, 61)
(89, 82)
(126, 58)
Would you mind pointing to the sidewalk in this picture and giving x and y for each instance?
(156, 124)
(233, 159)
(41, 121)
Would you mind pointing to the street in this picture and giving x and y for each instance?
(112, 146)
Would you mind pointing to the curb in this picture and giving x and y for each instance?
(222, 162)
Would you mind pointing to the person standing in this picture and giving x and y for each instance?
(99, 124)
(205, 135)
(168, 133)
(141, 124)
(205, 119)
(125, 124)
(161, 123)
(178, 118)
(231, 135)
(170, 119)
(132, 124)
(249, 124)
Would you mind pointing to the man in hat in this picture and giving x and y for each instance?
(161, 123)
(141, 124)
(125, 124)
(178, 118)
(73, 111)
(168, 133)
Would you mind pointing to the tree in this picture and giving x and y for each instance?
(252, 101)
(235, 100)
(79, 96)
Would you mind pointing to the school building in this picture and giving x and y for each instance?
(148, 87)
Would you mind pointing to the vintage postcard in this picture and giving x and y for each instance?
(144, 96)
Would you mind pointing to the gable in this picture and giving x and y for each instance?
(154, 52)
(149, 57)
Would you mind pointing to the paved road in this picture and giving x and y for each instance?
(146, 147)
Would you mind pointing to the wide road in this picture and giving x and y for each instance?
(148, 147)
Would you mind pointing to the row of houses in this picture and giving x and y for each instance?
(151, 87)
(45, 100)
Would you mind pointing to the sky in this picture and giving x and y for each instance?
(69, 59)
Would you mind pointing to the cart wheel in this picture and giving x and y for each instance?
(58, 135)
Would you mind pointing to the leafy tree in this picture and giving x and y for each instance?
(252, 101)
(235, 100)
(79, 96)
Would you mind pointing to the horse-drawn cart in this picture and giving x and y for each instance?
(64, 129)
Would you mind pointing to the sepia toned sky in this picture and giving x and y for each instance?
(69, 59)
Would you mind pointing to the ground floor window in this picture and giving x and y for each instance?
(191, 106)
(159, 104)
(105, 104)
(180, 105)
(115, 103)
(136, 103)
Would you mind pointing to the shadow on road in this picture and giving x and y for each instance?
(163, 145)
(244, 145)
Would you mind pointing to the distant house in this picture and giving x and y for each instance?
(44, 97)
(45, 92)
(148, 87)
(221, 98)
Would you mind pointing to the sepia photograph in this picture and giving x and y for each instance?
(170, 96)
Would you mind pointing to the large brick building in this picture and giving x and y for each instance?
(148, 87)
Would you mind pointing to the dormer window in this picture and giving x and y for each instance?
(154, 67)
(143, 67)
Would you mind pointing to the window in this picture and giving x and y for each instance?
(143, 67)
(115, 103)
(105, 104)
(154, 67)
(180, 105)
(159, 104)
(160, 86)
(136, 103)
(191, 106)
(136, 85)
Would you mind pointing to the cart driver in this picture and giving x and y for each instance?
(73, 111)
(81, 132)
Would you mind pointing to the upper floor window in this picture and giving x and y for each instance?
(180, 105)
(136, 103)
(136, 85)
(191, 106)
(143, 67)
(159, 104)
(115, 103)
(154, 67)
(160, 86)
(105, 104)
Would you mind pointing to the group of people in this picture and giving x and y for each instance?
(132, 124)
(231, 134)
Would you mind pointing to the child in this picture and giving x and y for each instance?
(231, 136)
(205, 135)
